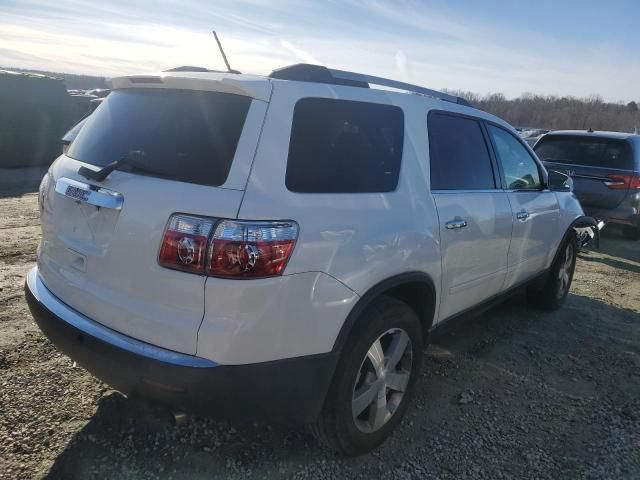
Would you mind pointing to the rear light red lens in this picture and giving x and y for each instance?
(233, 249)
(251, 249)
(184, 246)
(623, 182)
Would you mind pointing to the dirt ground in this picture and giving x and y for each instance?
(515, 393)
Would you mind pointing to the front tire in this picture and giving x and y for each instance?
(556, 288)
(374, 379)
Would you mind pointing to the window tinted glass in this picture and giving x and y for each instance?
(340, 146)
(458, 154)
(190, 136)
(520, 169)
(597, 152)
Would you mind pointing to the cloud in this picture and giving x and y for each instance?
(306, 57)
(429, 46)
(401, 63)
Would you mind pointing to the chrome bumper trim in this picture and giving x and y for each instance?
(105, 334)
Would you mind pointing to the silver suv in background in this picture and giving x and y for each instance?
(605, 167)
(284, 246)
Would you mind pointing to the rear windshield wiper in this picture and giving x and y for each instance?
(104, 172)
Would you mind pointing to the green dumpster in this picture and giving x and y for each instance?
(35, 112)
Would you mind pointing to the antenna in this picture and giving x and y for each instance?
(224, 57)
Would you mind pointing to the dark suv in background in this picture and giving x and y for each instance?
(605, 167)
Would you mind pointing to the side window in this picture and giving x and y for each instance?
(343, 146)
(520, 169)
(459, 157)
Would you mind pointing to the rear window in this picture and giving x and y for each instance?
(593, 152)
(73, 132)
(342, 146)
(189, 136)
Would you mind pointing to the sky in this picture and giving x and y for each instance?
(563, 47)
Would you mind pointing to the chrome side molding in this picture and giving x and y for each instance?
(84, 193)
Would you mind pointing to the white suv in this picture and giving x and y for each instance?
(283, 246)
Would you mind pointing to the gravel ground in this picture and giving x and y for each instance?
(515, 393)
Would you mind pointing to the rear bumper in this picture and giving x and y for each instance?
(291, 390)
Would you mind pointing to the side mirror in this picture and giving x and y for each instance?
(560, 182)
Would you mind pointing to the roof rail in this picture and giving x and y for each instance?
(316, 73)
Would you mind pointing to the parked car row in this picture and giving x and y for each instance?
(531, 135)
(285, 246)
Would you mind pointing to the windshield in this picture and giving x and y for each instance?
(187, 135)
(592, 152)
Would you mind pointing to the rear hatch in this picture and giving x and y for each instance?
(595, 163)
(188, 152)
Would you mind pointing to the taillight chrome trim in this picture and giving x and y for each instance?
(614, 184)
(622, 182)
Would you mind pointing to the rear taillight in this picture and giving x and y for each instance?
(184, 246)
(623, 182)
(227, 248)
(251, 249)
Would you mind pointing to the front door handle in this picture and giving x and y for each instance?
(522, 215)
(454, 224)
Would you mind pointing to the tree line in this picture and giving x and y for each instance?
(559, 113)
(529, 110)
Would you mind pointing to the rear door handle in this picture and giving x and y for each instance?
(522, 215)
(454, 224)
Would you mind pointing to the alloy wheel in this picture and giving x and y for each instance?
(382, 380)
(564, 272)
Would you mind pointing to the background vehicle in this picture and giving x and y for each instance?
(285, 245)
(532, 135)
(605, 167)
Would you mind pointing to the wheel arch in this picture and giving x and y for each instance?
(579, 222)
(414, 288)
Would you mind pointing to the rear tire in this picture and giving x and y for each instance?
(554, 292)
(374, 379)
(632, 233)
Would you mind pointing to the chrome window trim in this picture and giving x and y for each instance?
(529, 190)
(452, 191)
